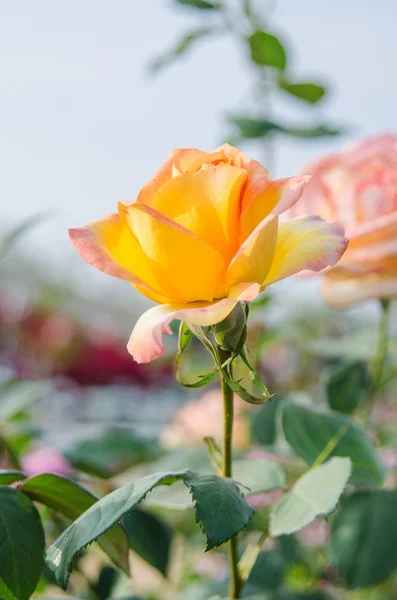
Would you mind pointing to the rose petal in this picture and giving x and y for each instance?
(181, 159)
(383, 144)
(277, 197)
(255, 256)
(306, 243)
(186, 266)
(108, 245)
(373, 231)
(145, 343)
(225, 154)
(206, 203)
(258, 181)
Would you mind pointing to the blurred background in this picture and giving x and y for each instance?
(94, 95)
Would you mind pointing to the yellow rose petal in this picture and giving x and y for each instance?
(254, 258)
(108, 245)
(186, 266)
(305, 243)
(275, 198)
(206, 203)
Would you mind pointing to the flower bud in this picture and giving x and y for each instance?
(229, 332)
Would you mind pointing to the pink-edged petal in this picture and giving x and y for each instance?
(108, 245)
(257, 182)
(274, 199)
(178, 162)
(292, 190)
(306, 243)
(255, 256)
(244, 292)
(343, 292)
(145, 343)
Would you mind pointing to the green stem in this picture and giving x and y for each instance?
(380, 357)
(228, 407)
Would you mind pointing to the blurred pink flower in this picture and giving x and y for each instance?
(258, 501)
(256, 454)
(211, 565)
(204, 418)
(316, 534)
(46, 460)
(358, 189)
(389, 457)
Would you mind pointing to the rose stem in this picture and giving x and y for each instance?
(228, 408)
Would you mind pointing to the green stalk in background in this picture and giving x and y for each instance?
(380, 356)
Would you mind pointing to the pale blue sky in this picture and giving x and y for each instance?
(82, 126)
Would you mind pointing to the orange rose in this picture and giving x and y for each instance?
(358, 188)
(202, 235)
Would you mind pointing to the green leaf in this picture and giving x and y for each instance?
(260, 475)
(224, 369)
(203, 4)
(7, 477)
(184, 44)
(264, 422)
(267, 50)
(220, 511)
(106, 582)
(71, 499)
(244, 393)
(317, 131)
(184, 339)
(363, 537)
(88, 464)
(254, 128)
(112, 452)
(316, 435)
(267, 573)
(19, 396)
(256, 380)
(309, 92)
(21, 547)
(204, 380)
(215, 453)
(347, 385)
(250, 128)
(230, 334)
(314, 494)
(149, 537)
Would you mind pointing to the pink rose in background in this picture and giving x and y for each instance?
(204, 418)
(46, 460)
(316, 534)
(358, 189)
